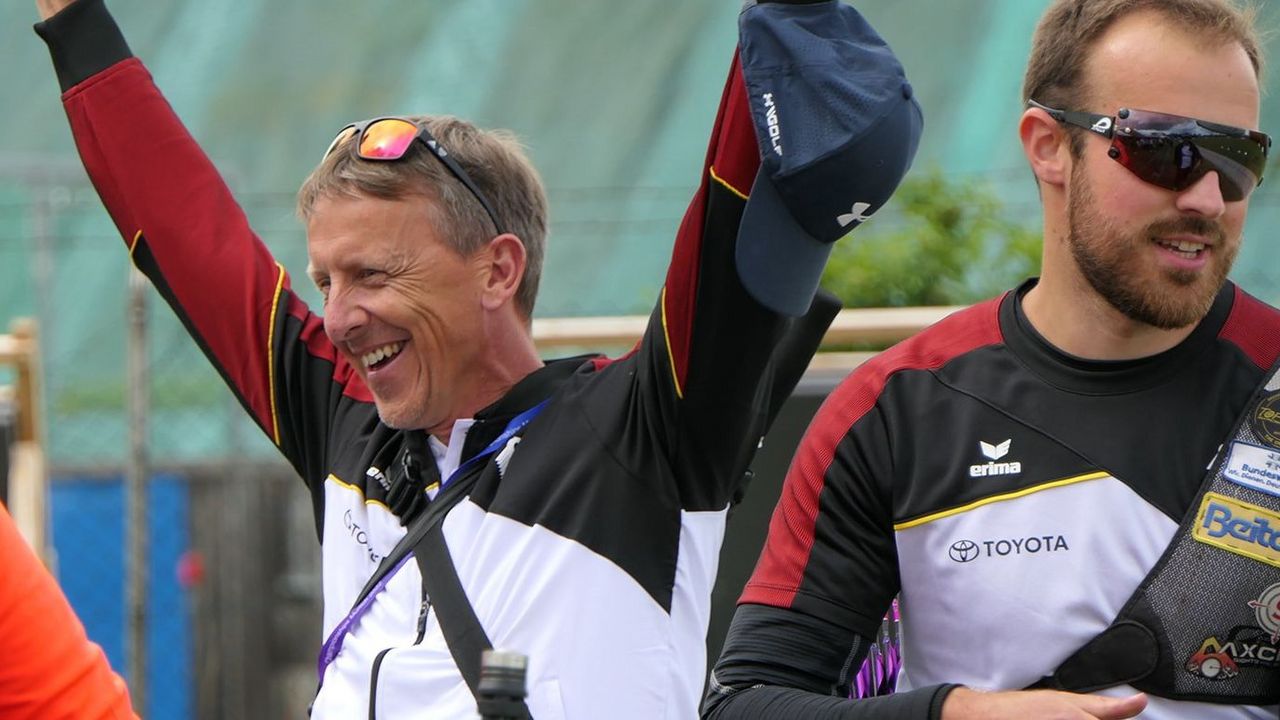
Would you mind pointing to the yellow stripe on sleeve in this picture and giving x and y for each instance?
(348, 486)
(666, 338)
(727, 186)
(271, 362)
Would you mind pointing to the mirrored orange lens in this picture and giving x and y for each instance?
(387, 139)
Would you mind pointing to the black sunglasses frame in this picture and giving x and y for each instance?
(429, 140)
(1106, 126)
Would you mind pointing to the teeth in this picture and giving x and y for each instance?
(1183, 246)
(370, 359)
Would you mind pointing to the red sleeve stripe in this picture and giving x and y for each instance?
(780, 571)
(733, 151)
(318, 345)
(1254, 327)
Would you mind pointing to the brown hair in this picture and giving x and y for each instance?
(1069, 28)
(496, 163)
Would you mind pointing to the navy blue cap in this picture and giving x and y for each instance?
(837, 125)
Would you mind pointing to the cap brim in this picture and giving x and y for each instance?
(778, 262)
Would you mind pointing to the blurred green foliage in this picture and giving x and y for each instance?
(949, 242)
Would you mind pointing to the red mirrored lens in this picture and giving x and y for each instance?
(387, 139)
(1175, 152)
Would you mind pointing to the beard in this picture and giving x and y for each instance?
(1116, 265)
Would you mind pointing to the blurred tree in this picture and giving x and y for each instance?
(950, 242)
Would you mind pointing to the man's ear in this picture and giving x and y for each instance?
(504, 270)
(1047, 146)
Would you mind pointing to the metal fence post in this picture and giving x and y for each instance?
(136, 491)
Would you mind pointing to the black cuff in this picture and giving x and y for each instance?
(939, 697)
(84, 40)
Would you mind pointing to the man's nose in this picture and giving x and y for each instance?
(1204, 198)
(344, 317)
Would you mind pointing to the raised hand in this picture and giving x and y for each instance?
(49, 8)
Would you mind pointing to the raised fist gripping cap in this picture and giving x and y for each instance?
(838, 127)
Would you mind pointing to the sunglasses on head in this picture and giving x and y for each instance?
(389, 138)
(1174, 152)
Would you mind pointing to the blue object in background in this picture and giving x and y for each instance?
(88, 517)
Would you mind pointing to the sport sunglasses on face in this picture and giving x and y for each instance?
(1173, 151)
(389, 138)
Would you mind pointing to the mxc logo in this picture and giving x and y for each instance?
(993, 453)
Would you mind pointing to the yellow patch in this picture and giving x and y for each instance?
(1239, 527)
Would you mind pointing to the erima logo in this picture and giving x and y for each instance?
(1239, 527)
(1102, 126)
(995, 452)
(854, 215)
(376, 474)
(771, 119)
(504, 456)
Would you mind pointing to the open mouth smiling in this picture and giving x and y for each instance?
(380, 356)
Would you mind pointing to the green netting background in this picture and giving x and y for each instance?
(614, 100)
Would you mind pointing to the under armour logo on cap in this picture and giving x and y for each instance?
(854, 215)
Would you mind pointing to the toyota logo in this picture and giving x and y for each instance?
(963, 551)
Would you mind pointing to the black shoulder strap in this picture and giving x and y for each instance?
(462, 630)
(1204, 624)
(436, 509)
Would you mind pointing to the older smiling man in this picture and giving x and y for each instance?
(573, 508)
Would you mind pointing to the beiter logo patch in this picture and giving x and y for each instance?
(1239, 527)
(1265, 421)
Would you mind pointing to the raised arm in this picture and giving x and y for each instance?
(49, 8)
(753, 242)
(186, 232)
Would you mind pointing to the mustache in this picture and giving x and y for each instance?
(1204, 227)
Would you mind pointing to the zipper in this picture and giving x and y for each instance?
(373, 684)
(423, 609)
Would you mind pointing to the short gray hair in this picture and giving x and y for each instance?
(496, 163)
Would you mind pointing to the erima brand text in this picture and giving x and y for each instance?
(995, 465)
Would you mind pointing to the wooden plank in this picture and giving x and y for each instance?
(13, 349)
(881, 326)
(856, 326)
(28, 480)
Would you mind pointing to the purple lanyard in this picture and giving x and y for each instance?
(333, 645)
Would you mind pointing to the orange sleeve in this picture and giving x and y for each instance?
(49, 670)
